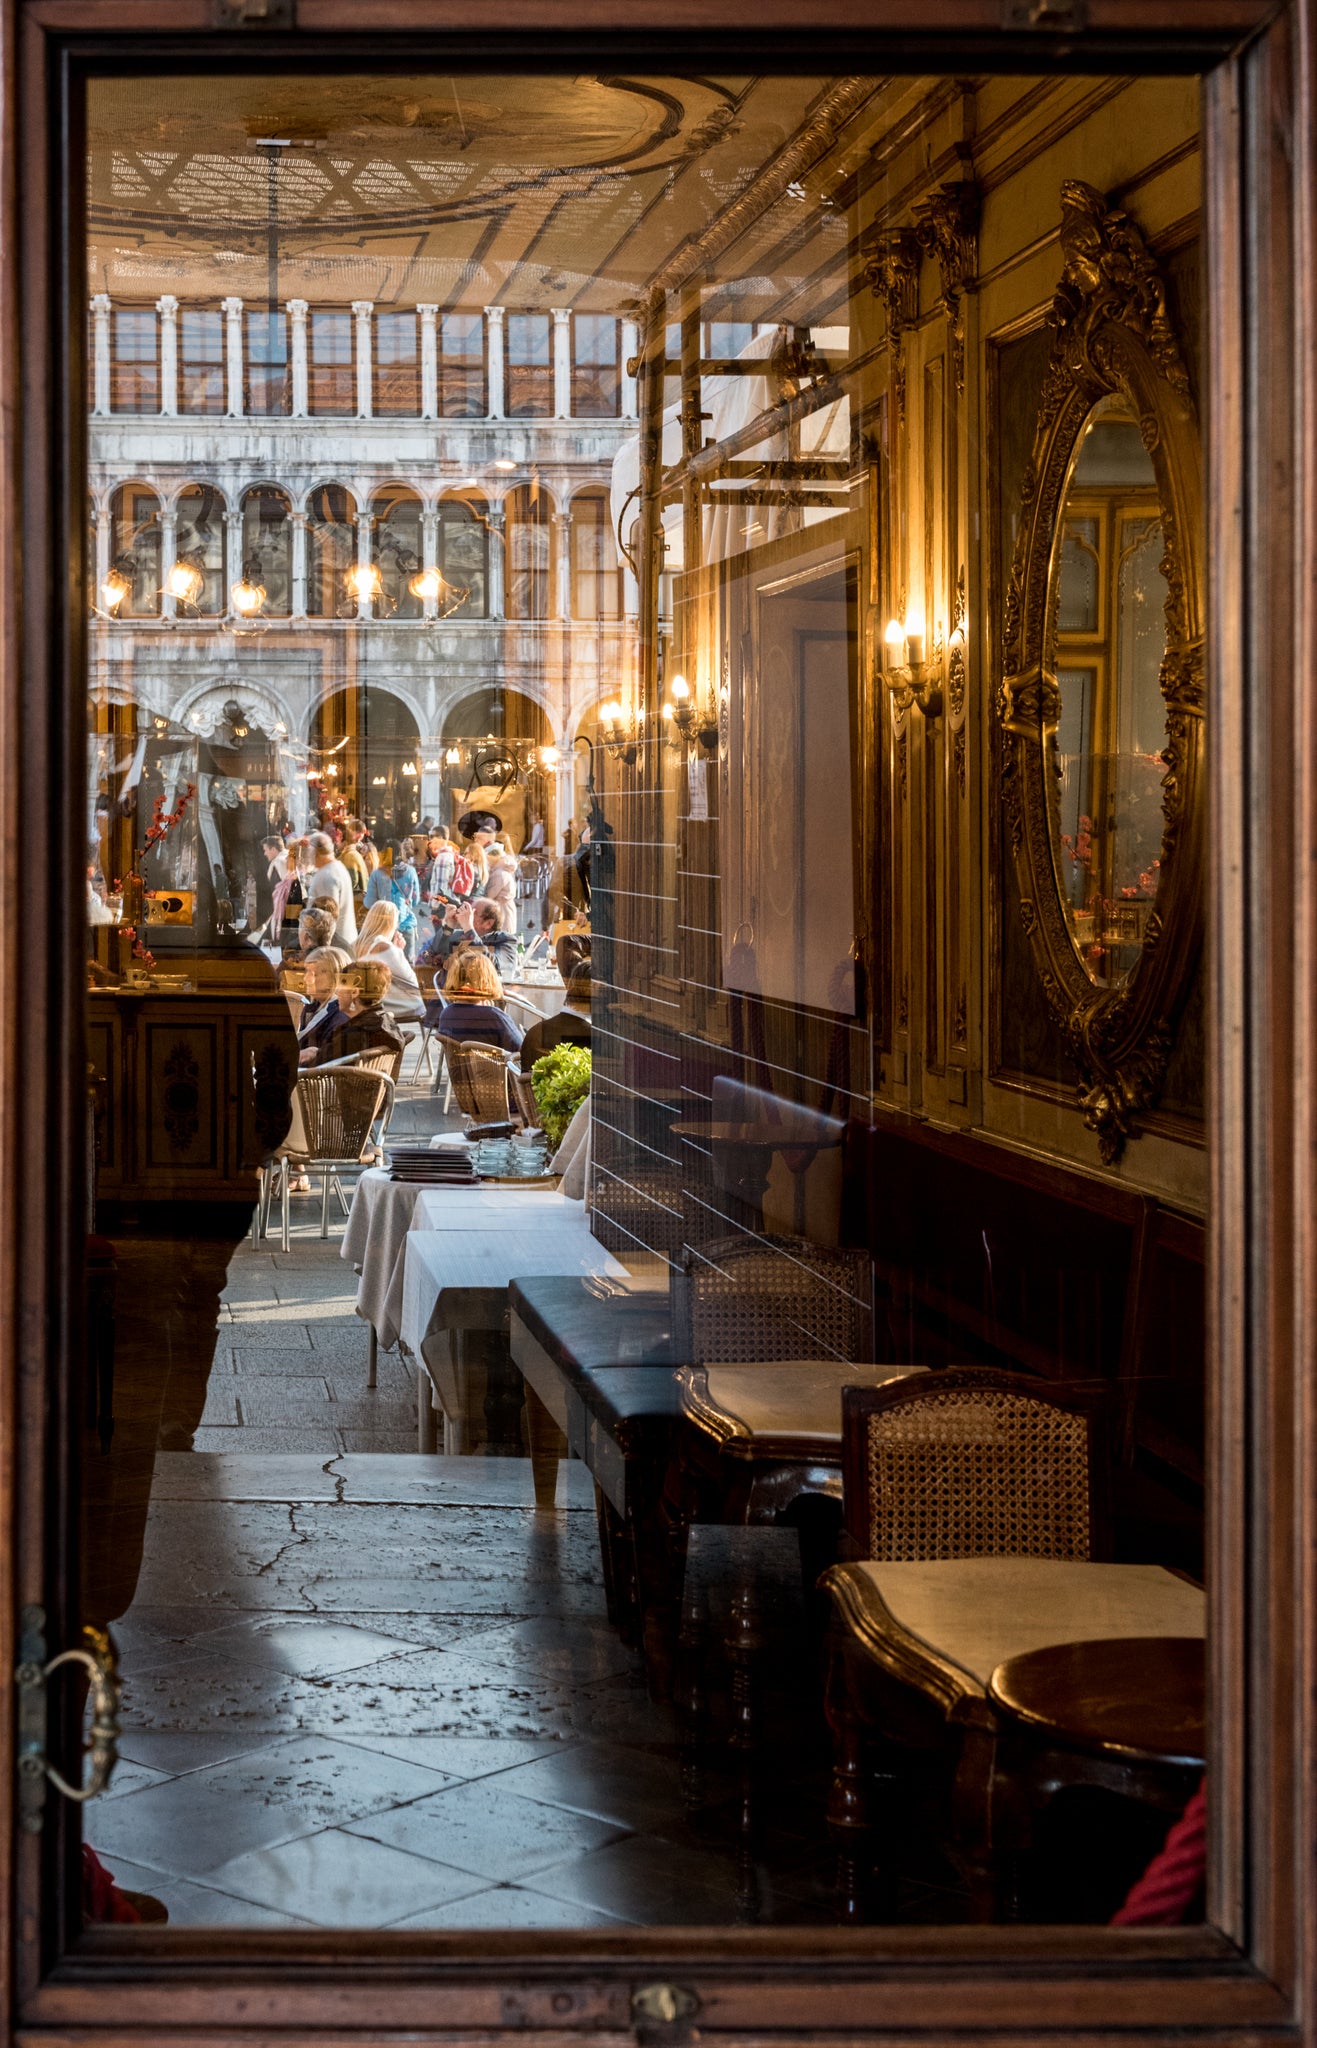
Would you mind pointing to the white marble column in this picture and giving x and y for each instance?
(297, 310)
(365, 607)
(167, 307)
(100, 356)
(562, 534)
(431, 748)
(562, 362)
(233, 562)
(496, 565)
(362, 310)
(297, 596)
(630, 350)
(233, 355)
(494, 360)
(168, 556)
(430, 554)
(102, 568)
(429, 362)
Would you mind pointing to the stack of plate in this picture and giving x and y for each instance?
(449, 1167)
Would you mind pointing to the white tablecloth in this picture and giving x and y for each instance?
(384, 1211)
(436, 1259)
(377, 1227)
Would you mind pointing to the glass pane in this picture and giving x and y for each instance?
(576, 1072)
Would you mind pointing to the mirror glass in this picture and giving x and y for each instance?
(1106, 642)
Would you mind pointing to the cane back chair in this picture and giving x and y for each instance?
(977, 1529)
(338, 1113)
(479, 1075)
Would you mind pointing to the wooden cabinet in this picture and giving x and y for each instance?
(193, 1091)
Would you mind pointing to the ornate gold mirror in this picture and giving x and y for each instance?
(1102, 692)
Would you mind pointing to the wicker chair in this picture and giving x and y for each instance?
(755, 1299)
(339, 1108)
(977, 1524)
(480, 1075)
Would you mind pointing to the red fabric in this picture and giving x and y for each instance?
(1175, 1880)
(102, 1900)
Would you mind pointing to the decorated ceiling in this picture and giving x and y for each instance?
(523, 190)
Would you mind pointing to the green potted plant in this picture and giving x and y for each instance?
(561, 1081)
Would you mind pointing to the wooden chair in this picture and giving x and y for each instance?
(976, 1515)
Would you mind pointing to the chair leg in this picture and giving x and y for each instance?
(285, 1191)
(325, 1178)
(256, 1212)
(342, 1198)
(372, 1358)
(425, 1432)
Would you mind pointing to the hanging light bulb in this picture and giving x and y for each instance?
(430, 768)
(427, 583)
(364, 581)
(246, 597)
(114, 590)
(452, 757)
(185, 581)
(409, 767)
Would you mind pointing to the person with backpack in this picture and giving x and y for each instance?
(396, 882)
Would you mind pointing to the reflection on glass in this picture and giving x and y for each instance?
(1108, 637)
(487, 724)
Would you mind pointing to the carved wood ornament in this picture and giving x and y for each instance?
(1113, 335)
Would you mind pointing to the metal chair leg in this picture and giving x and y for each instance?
(372, 1358)
(256, 1212)
(325, 1178)
(285, 1190)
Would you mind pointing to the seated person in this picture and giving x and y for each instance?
(471, 995)
(315, 928)
(477, 924)
(360, 1024)
(570, 1026)
(378, 940)
(320, 1004)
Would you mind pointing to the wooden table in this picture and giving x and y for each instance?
(1127, 1716)
(748, 1150)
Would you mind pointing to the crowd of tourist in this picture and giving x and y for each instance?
(355, 920)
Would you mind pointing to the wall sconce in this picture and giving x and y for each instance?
(683, 723)
(363, 581)
(621, 738)
(911, 678)
(186, 580)
(378, 781)
(246, 597)
(114, 590)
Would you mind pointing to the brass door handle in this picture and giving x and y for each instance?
(97, 1655)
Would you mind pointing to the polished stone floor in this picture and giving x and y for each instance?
(364, 1687)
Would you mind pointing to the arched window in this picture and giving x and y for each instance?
(331, 549)
(196, 574)
(596, 576)
(133, 580)
(529, 536)
(463, 553)
(267, 548)
(397, 549)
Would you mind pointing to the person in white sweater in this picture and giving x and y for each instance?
(330, 878)
(378, 940)
(501, 886)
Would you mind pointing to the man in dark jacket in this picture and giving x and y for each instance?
(471, 924)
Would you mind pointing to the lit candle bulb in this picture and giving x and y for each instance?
(680, 688)
(894, 642)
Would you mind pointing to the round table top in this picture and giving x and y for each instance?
(1138, 1698)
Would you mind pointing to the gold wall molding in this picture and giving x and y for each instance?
(1113, 334)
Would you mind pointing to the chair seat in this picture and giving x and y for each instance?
(975, 1613)
(783, 1409)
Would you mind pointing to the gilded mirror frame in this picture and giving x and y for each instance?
(1113, 335)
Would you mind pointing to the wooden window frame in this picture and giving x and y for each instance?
(1248, 1978)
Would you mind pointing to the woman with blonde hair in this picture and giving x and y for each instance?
(472, 994)
(378, 940)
